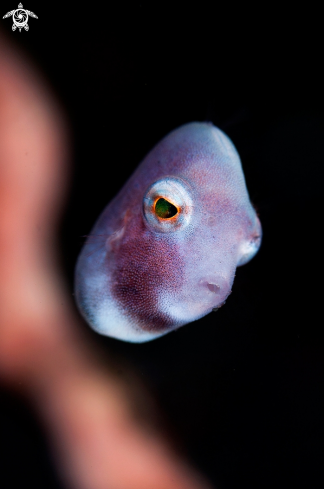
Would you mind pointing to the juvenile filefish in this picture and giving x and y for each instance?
(164, 252)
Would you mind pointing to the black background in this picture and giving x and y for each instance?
(241, 388)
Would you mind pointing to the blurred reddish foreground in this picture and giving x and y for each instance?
(97, 440)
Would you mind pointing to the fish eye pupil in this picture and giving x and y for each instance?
(165, 209)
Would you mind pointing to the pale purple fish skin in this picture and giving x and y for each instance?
(139, 277)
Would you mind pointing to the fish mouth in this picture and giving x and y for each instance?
(215, 289)
(199, 299)
(210, 293)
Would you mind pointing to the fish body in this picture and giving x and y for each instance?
(164, 251)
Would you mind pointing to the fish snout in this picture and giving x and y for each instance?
(250, 245)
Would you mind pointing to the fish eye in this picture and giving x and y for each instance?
(164, 209)
(167, 205)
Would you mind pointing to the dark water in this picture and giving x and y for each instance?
(242, 388)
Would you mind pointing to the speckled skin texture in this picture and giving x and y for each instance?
(139, 276)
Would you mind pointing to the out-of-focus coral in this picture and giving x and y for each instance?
(96, 438)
